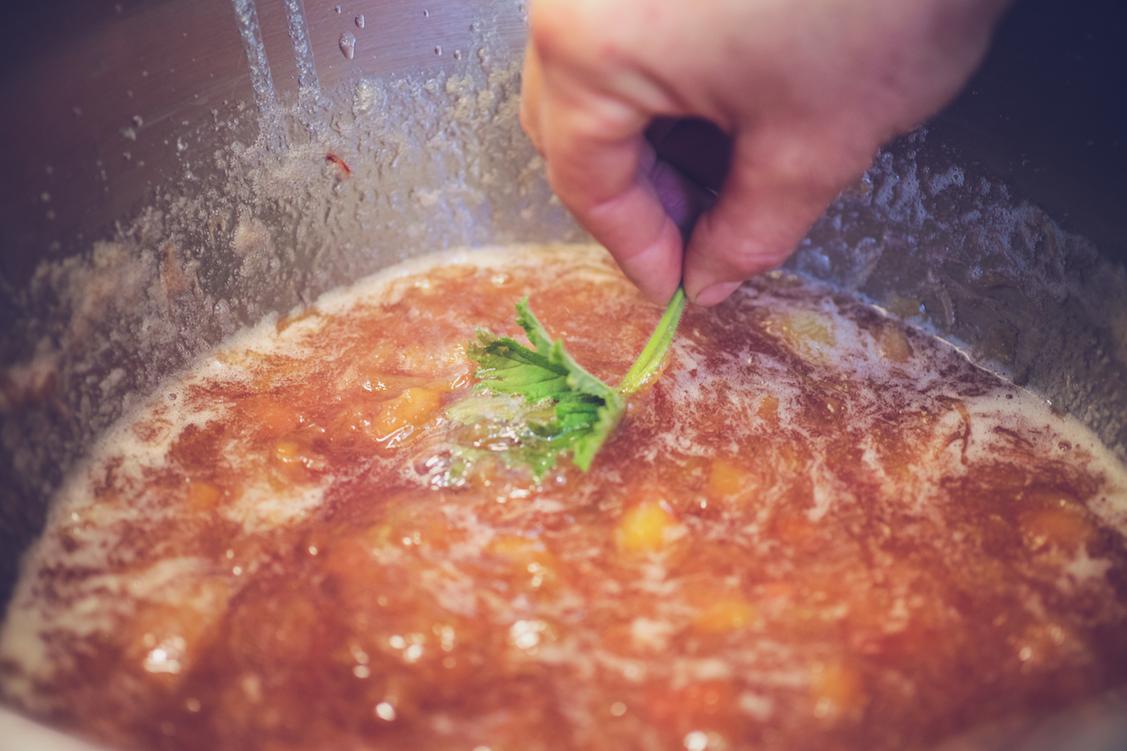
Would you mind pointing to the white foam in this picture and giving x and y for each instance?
(262, 507)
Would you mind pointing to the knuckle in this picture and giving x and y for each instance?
(550, 26)
(565, 28)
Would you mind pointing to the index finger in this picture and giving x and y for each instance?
(599, 165)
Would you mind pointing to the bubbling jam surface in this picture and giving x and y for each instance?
(819, 529)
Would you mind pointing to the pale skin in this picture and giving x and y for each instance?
(807, 91)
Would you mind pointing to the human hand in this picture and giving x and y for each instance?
(807, 90)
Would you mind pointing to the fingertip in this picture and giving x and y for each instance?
(714, 294)
(743, 236)
(718, 263)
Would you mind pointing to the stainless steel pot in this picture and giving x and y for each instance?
(176, 169)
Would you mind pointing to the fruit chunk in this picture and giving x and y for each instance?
(893, 343)
(768, 409)
(287, 452)
(203, 496)
(528, 559)
(414, 526)
(727, 479)
(1064, 525)
(267, 415)
(390, 423)
(402, 415)
(730, 612)
(805, 332)
(806, 326)
(837, 690)
(647, 527)
(295, 459)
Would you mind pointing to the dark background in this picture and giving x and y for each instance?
(1047, 112)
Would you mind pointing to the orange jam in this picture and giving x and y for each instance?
(818, 529)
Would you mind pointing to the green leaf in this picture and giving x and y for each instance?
(584, 409)
(648, 364)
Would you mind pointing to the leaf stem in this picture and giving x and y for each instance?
(648, 364)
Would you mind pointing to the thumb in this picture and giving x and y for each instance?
(766, 206)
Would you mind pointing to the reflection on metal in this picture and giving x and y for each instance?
(261, 81)
(309, 88)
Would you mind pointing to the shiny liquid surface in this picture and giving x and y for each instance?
(819, 529)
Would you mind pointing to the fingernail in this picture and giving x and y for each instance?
(716, 293)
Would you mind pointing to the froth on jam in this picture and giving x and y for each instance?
(819, 529)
